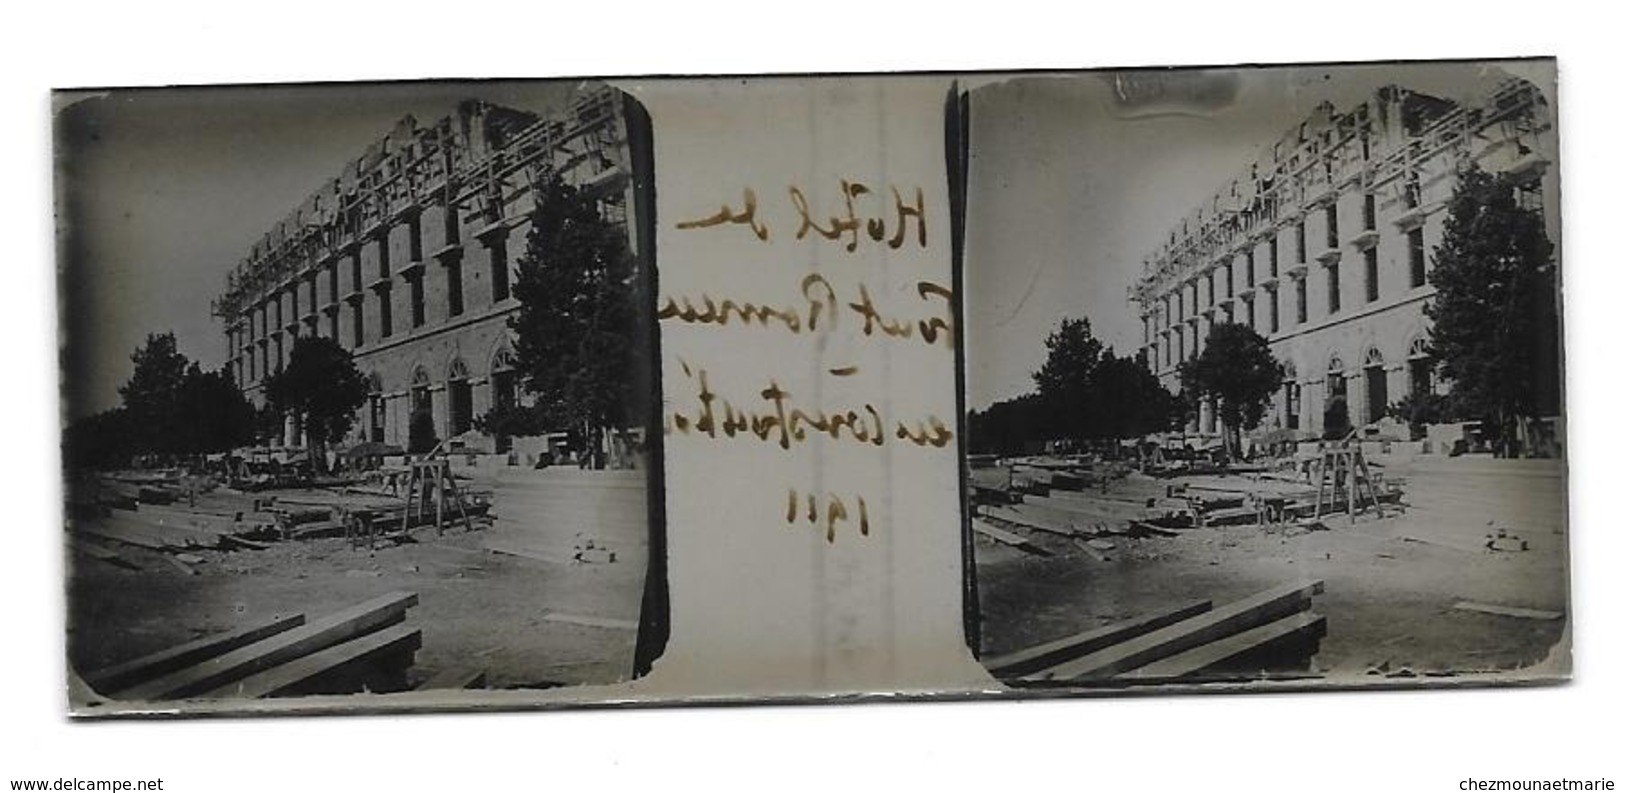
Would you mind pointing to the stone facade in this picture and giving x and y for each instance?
(1325, 245)
(407, 259)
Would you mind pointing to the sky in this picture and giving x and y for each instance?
(1069, 194)
(160, 192)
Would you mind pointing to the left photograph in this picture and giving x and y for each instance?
(357, 388)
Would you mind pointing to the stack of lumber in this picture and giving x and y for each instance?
(367, 647)
(329, 509)
(1273, 632)
(568, 515)
(165, 530)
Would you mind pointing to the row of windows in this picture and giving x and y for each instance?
(270, 315)
(1173, 313)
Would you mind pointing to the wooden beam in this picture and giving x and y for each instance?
(1223, 621)
(162, 662)
(1066, 648)
(1508, 611)
(455, 678)
(286, 678)
(101, 553)
(1222, 654)
(1011, 538)
(212, 673)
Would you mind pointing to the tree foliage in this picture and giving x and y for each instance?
(321, 386)
(580, 334)
(1085, 391)
(170, 408)
(1237, 371)
(1494, 315)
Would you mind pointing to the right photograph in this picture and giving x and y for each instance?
(1263, 376)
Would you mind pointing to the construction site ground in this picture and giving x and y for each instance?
(1391, 584)
(526, 622)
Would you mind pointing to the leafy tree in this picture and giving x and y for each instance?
(1420, 410)
(1126, 399)
(1494, 317)
(508, 420)
(1008, 427)
(420, 434)
(151, 396)
(104, 440)
(212, 414)
(1237, 371)
(1336, 419)
(322, 387)
(579, 329)
(1066, 379)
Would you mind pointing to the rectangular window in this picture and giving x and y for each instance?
(454, 288)
(1252, 315)
(1302, 233)
(386, 318)
(1275, 311)
(358, 325)
(1250, 258)
(414, 238)
(1303, 300)
(1275, 258)
(1334, 289)
(1371, 290)
(1211, 276)
(1418, 257)
(383, 255)
(1368, 212)
(1331, 225)
(1229, 278)
(454, 231)
(416, 286)
(499, 272)
(1413, 191)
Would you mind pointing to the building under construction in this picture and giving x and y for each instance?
(1324, 247)
(407, 259)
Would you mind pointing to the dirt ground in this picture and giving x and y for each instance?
(1391, 583)
(527, 623)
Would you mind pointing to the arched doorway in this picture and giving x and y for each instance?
(504, 390)
(1376, 386)
(420, 430)
(460, 398)
(375, 408)
(1294, 396)
(1335, 418)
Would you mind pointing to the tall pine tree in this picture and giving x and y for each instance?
(579, 329)
(1494, 317)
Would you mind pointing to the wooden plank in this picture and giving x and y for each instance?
(455, 678)
(1223, 621)
(1216, 655)
(997, 534)
(1050, 653)
(592, 622)
(212, 673)
(1508, 611)
(146, 667)
(1032, 519)
(101, 553)
(288, 677)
